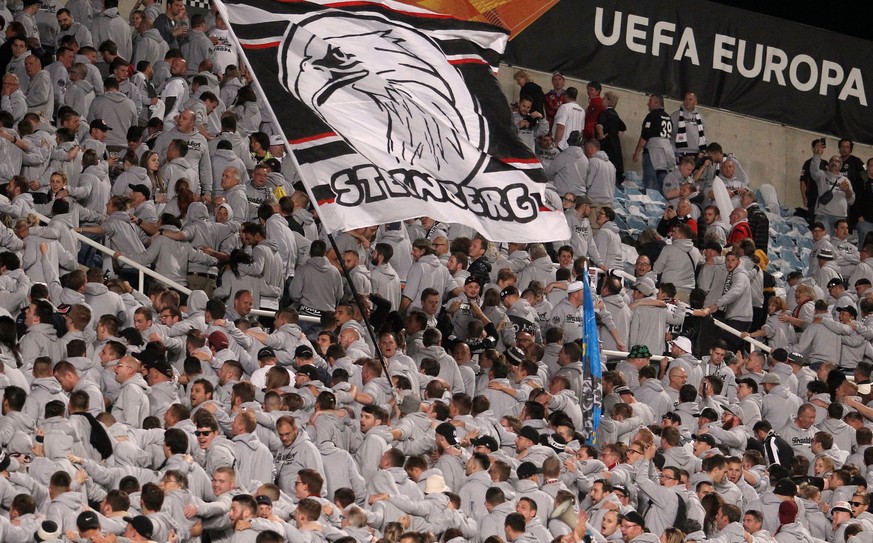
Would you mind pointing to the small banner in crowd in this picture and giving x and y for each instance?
(393, 112)
(592, 373)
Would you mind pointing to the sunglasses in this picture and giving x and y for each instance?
(199, 433)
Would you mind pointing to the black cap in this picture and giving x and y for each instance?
(161, 366)
(672, 417)
(142, 189)
(708, 413)
(704, 438)
(485, 441)
(848, 309)
(87, 521)
(834, 282)
(446, 430)
(751, 383)
(266, 352)
(148, 357)
(264, 500)
(303, 351)
(508, 291)
(309, 371)
(554, 441)
(472, 279)
(526, 470)
(100, 124)
(142, 524)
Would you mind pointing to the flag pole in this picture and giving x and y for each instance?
(357, 301)
(223, 11)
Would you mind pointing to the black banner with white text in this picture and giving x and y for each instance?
(733, 59)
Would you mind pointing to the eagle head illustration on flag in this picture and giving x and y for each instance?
(392, 112)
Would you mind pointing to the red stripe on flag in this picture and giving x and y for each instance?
(328, 201)
(520, 160)
(266, 45)
(356, 3)
(467, 61)
(545, 209)
(313, 138)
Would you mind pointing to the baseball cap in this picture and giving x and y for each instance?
(749, 382)
(639, 351)
(771, 379)
(276, 139)
(100, 124)
(264, 500)
(309, 371)
(646, 285)
(704, 438)
(508, 291)
(303, 351)
(575, 286)
(162, 366)
(672, 417)
(472, 279)
(422, 243)
(142, 189)
(446, 430)
(708, 413)
(266, 352)
(485, 441)
(142, 524)
(797, 358)
(834, 282)
(848, 309)
(526, 470)
(584, 199)
(530, 433)
(148, 357)
(87, 521)
(734, 409)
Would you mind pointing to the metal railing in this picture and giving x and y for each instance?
(145, 270)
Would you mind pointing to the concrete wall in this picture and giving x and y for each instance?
(769, 152)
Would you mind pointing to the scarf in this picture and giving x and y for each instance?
(99, 437)
(681, 129)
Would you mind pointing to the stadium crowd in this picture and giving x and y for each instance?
(414, 381)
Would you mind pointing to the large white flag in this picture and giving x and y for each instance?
(393, 112)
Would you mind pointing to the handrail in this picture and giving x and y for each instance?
(731, 330)
(623, 354)
(145, 270)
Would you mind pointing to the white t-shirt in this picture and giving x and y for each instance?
(223, 52)
(572, 116)
(179, 88)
